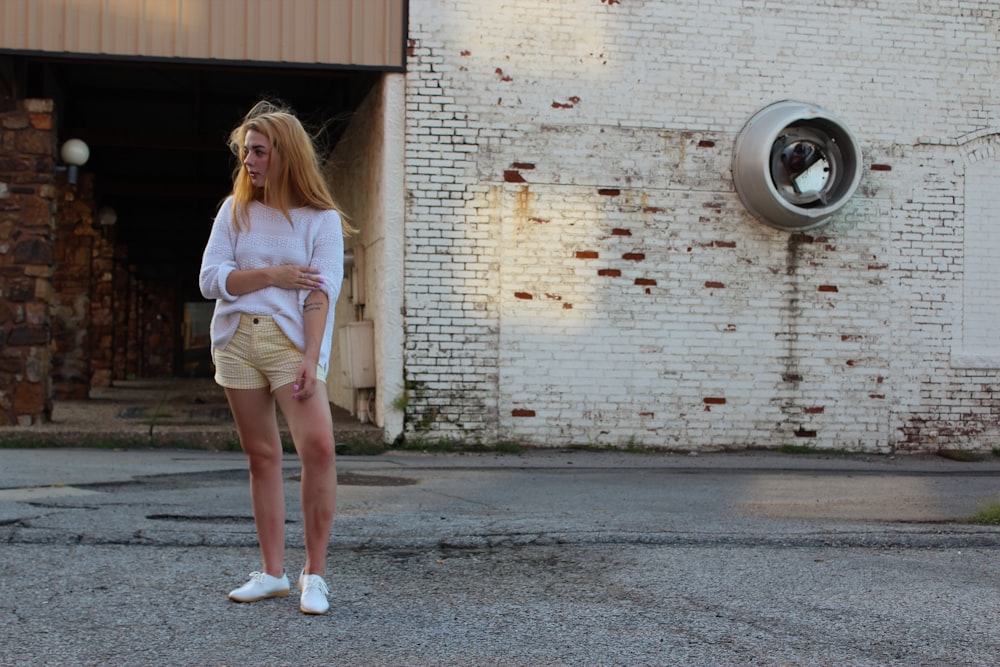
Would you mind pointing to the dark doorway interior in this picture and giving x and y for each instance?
(157, 134)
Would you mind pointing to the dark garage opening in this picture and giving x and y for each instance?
(157, 134)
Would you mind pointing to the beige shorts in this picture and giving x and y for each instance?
(259, 355)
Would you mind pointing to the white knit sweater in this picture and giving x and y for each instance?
(315, 240)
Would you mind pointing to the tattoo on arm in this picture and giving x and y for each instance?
(311, 305)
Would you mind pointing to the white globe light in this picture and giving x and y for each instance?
(75, 152)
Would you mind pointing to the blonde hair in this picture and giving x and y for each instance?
(298, 179)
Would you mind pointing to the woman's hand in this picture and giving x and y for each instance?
(290, 276)
(305, 380)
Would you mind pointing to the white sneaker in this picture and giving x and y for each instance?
(260, 587)
(314, 592)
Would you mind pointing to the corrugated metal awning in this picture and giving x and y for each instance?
(346, 33)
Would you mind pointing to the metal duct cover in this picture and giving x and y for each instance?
(795, 165)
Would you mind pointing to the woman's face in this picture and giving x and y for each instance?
(259, 157)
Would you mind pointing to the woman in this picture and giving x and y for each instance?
(274, 263)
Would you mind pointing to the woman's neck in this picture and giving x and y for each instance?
(272, 201)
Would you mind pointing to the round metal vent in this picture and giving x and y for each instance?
(795, 165)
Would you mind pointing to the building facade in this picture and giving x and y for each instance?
(581, 271)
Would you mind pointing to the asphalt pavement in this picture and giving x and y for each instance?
(551, 557)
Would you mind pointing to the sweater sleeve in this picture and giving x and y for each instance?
(219, 259)
(328, 256)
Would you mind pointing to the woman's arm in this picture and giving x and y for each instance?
(286, 276)
(327, 259)
(314, 312)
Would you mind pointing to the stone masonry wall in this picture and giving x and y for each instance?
(27, 229)
(75, 239)
(580, 270)
(105, 308)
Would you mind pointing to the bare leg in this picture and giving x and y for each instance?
(257, 425)
(311, 426)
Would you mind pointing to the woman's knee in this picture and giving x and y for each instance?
(316, 450)
(263, 458)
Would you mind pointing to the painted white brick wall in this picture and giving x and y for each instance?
(980, 344)
(579, 269)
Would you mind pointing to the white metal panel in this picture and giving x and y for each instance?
(337, 32)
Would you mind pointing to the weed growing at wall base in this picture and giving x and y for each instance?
(989, 515)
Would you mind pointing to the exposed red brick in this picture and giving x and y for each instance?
(652, 209)
(645, 281)
(466, 52)
(724, 244)
(828, 288)
(711, 284)
(851, 338)
(647, 414)
(503, 77)
(41, 121)
(586, 254)
(877, 267)
(613, 273)
(881, 167)
(803, 433)
(540, 221)
(876, 396)
(574, 100)
(521, 412)
(512, 176)
(634, 256)
(553, 297)
(706, 143)
(621, 232)
(567, 306)
(523, 295)
(714, 400)
(815, 411)
(609, 192)
(523, 165)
